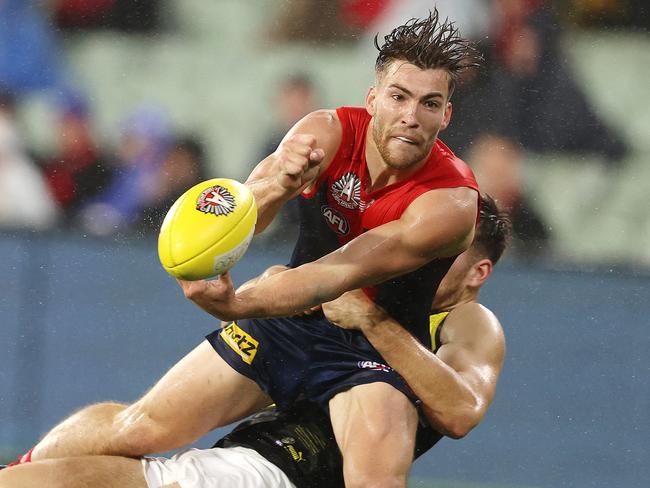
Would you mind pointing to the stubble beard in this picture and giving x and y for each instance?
(381, 140)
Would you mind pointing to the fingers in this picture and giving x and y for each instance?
(192, 289)
(298, 154)
(315, 157)
(312, 310)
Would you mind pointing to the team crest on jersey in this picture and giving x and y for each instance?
(216, 200)
(374, 366)
(347, 191)
(335, 220)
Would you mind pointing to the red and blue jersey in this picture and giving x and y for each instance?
(339, 208)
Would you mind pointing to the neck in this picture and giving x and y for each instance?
(446, 306)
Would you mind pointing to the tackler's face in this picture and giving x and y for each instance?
(409, 107)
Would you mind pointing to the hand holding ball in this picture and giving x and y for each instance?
(207, 230)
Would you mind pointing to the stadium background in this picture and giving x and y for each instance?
(85, 318)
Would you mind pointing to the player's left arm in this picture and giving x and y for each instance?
(439, 223)
(457, 384)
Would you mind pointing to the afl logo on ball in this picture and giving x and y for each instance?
(347, 191)
(216, 200)
(335, 220)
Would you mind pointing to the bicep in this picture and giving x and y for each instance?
(475, 349)
(477, 370)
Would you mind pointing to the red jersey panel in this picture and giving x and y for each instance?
(347, 180)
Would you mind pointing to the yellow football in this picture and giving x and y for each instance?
(207, 230)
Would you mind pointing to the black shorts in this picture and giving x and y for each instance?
(303, 357)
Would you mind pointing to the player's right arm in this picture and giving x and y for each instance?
(457, 384)
(439, 223)
(304, 153)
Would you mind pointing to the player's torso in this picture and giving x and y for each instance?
(339, 208)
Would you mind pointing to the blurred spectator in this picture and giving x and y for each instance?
(25, 201)
(295, 97)
(30, 54)
(78, 172)
(335, 21)
(609, 13)
(139, 16)
(183, 167)
(143, 148)
(472, 17)
(527, 100)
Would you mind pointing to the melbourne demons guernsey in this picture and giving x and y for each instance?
(337, 208)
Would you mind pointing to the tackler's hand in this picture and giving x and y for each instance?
(217, 297)
(299, 161)
(354, 310)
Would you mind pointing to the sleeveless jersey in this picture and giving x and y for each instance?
(338, 208)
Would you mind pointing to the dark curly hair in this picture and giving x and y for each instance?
(429, 44)
(493, 230)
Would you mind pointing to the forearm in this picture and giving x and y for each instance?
(269, 195)
(287, 293)
(447, 400)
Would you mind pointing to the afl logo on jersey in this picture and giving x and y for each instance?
(347, 191)
(335, 220)
(216, 200)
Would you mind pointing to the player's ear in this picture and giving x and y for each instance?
(446, 118)
(481, 271)
(371, 100)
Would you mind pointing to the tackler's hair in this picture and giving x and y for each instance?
(493, 230)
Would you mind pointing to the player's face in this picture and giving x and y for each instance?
(409, 106)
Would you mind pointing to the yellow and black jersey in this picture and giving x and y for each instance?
(435, 327)
(426, 436)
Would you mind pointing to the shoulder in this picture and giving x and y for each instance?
(322, 120)
(473, 323)
(324, 125)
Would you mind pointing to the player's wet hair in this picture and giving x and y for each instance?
(429, 44)
(493, 230)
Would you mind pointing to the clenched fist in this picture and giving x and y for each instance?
(298, 161)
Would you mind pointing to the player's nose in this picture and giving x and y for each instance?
(409, 116)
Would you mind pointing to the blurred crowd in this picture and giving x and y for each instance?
(86, 187)
(81, 184)
(525, 100)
